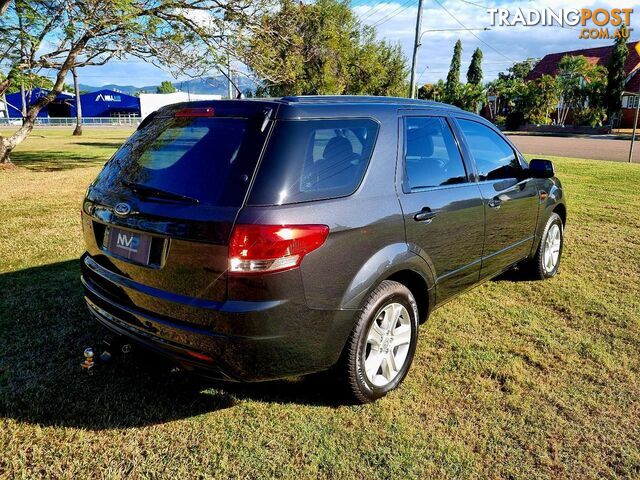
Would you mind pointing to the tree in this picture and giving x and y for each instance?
(30, 81)
(58, 35)
(432, 91)
(165, 87)
(519, 70)
(471, 97)
(453, 77)
(323, 49)
(474, 74)
(616, 74)
(537, 98)
(582, 88)
(506, 92)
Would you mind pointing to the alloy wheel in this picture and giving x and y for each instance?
(387, 346)
(552, 246)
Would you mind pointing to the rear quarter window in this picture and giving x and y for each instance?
(314, 160)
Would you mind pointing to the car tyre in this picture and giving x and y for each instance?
(382, 344)
(546, 261)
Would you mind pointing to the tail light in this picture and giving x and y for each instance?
(272, 248)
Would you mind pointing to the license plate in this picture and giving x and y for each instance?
(130, 245)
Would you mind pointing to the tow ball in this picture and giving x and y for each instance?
(111, 344)
(89, 362)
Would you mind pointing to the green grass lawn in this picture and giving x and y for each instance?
(515, 379)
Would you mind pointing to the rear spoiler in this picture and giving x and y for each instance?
(199, 111)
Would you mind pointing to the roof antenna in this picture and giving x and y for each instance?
(239, 94)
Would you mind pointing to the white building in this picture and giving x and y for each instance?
(150, 102)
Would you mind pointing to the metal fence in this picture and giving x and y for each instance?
(71, 121)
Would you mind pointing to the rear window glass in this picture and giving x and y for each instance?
(208, 159)
(314, 160)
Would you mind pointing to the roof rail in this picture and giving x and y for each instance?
(363, 99)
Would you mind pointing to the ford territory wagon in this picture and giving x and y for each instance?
(252, 240)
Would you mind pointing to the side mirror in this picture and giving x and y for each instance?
(539, 168)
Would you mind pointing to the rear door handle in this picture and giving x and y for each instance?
(424, 215)
(495, 202)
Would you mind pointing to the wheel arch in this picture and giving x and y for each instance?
(398, 263)
(554, 203)
(561, 210)
(418, 287)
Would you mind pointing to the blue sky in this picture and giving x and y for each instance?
(395, 22)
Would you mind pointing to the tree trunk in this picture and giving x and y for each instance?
(7, 144)
(5, 160)
(23, 99)
(76, 86)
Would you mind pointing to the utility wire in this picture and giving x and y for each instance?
(474, 4)
(469, 2)
(372, 10)
(394, 13)
(471, 32)
(487, 7)
(420, 76)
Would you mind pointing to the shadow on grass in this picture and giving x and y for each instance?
(45, 327)
(113, 145)
(52, 161)
(516, 274)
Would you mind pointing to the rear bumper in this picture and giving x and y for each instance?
(251, 341)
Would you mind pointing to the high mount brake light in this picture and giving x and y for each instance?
(272, 248)
(196, 112)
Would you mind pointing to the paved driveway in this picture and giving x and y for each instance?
(578, 147)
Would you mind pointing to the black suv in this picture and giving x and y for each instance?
(258, 239)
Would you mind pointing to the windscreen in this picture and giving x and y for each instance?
(206, 159)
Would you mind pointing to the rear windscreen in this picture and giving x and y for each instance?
(313, 160)
(207, 159)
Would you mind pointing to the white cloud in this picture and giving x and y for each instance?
(507, 44)
(514, 43)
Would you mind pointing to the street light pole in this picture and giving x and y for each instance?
(416, 45)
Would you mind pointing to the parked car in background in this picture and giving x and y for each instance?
(258, 239)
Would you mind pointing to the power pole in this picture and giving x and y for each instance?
(416, 45)
(76, 87)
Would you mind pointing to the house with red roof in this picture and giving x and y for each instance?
(600, 56)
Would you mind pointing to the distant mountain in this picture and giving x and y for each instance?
(209, 85)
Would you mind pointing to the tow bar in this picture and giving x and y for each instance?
(110, 344)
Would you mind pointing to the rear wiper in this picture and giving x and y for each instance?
(149, 191)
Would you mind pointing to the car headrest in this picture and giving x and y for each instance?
(338, 148)
(419, 143)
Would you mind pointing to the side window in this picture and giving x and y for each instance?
(431, 154)
(314, 160)
(495, 159)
